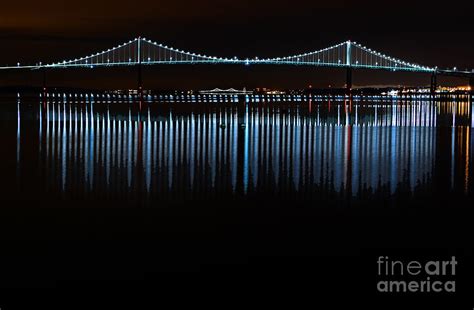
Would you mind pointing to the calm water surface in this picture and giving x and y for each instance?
(158, 153)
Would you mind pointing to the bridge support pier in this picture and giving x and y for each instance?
(349, 80)
(43, 71)
(140, 81)
(434, 83)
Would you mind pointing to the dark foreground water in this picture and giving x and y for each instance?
(113, 189)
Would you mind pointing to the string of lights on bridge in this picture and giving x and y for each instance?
(146, 52)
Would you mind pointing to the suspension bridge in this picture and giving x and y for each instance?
(350, 55)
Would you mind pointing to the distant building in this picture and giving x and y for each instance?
(230, 91)
(454, 89)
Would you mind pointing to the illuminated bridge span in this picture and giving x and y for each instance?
(141, 51)
(146, 52)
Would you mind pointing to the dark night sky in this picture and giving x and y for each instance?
(419, 31)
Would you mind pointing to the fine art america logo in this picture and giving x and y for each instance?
(432, 276)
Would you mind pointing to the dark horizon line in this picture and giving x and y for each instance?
(6, 89)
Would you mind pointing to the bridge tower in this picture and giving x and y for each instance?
(349, 67)
(139, 65)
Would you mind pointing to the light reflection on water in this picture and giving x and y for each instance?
(312, 149)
